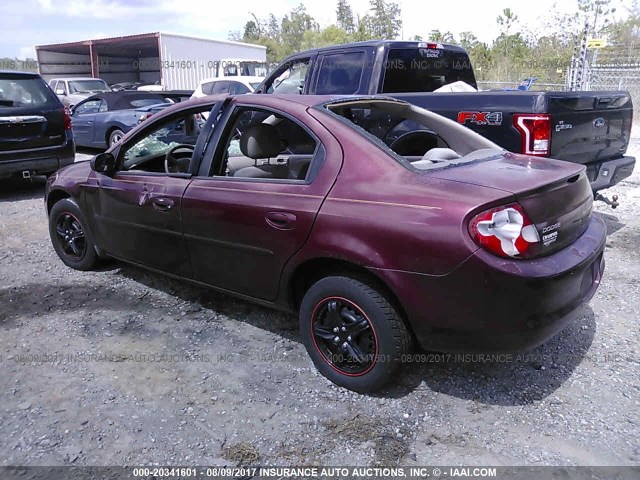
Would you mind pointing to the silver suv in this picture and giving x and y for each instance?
(74, 89)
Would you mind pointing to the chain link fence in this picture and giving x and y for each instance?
(615, 67)
(547, 87)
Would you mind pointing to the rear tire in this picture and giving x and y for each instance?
(115, 137)
(352, 333)
(70, 236)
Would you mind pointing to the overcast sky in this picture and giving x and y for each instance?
(25, 23)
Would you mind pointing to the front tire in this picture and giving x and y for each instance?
(70, 236)
(353, 334)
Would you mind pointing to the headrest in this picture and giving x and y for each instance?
(260, 141)
(440, 154)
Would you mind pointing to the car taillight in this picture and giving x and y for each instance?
(505, 231)
(144, 116)
(66, 118)
(536, 133)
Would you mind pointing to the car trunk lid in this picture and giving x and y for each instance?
(555, 195)
(30, 114)
(28, 129)
(589, 126)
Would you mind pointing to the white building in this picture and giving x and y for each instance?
(176, 62)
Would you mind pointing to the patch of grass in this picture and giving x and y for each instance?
(242, 453)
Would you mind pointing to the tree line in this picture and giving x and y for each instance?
(517, 51)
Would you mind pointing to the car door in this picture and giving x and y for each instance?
(83, 120)
(291, 77)
(136, 211)
(241, 229)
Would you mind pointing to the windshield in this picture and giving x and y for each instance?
(254, 84)
(77, 86)
(425, 70)
(25, 92)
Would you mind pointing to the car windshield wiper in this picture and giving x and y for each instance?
(7, 103)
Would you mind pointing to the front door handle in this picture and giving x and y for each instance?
(281, 220)
(162, 204)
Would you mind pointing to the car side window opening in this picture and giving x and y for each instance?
(265, 144)
(238, 88)
(340, 73)
(90, 106)
(168, 147)
(219, 87)
(206, 87)
(291, 80)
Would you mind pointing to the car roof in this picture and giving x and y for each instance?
(234, 78)
(273, 100)
(20, 73)
(375, 44)
(268, 100)
(75, 78)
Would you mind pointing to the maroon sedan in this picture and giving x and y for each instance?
(379, 223)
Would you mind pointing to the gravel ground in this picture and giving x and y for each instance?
(123, 367)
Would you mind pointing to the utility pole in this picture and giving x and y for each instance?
(582, 59)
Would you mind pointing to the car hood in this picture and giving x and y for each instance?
(78, 171)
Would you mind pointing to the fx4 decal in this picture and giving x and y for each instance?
(480, 118)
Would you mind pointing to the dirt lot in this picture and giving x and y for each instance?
(125, 367)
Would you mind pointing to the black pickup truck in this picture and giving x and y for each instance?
(590, 128)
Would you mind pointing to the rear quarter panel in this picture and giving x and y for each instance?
(381, 215)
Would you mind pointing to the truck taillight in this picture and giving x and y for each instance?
(536, 133)
(505, 231)
(430, 45)
(66, 118)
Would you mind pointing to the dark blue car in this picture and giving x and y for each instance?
(103, 119)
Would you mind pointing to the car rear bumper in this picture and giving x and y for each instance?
(610, 172)
(38, 160)
(489, 304)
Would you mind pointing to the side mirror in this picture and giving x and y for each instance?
(60, 91)
(104, 163)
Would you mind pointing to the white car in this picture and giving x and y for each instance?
(234, 85)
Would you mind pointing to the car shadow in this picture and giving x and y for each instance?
(279, 323)
(508, 379)
(515, 380)
(518, 379)
(612, 222)
(16, 188)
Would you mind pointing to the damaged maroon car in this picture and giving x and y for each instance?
(380, 224)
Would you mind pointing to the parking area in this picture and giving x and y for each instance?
(122, 366)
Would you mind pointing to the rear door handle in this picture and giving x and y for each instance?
(281, 220)
(162, 204)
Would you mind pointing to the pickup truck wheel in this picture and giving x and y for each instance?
(352, 333)
(115, 137)
(70, 236)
